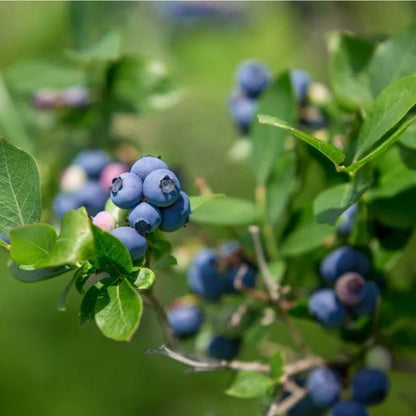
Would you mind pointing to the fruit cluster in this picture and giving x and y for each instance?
(351, 296)
(86, 182)
(75, 96)
(152, 198)
(323, 385)
(253, 78)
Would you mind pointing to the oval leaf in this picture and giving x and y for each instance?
(145, 279)
(250, 384)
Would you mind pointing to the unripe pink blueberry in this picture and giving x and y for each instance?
(105, 221)
(350, 288)
(72, 178)
(110, 172)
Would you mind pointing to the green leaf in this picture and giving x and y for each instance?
(81, 276)
(166, 260)
(32, 243)
(277, 270)
(331, 152)
(393, 103)
(145, 279)
(111, 254)
(269, 143)
(75, 242)
(108, 48)
(250, 384)
(349, 80)
(200, 200)
(306, 238)
(11, 122)
(227, 211)
(19, 188)
(31, 276)
(63, 297)
(276, 364)
(396, 57)
(332, 202)
(87, 309)
(118, 309)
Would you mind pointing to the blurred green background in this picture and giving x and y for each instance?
(49, 366)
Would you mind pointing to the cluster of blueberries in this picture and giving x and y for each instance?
(351, 296)
(151, 197)
(75, 97)
(252, 80)
(324, 386)
(86, 182)
(211, 275)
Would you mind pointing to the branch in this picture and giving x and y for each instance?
(281, 407)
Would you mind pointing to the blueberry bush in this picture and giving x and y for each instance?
(308, 302)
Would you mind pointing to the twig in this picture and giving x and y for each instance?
(272, 287)
(297, 394)
(238, 314)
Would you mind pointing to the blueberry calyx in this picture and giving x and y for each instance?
(142, 227)
(167, 185)
(117, 184)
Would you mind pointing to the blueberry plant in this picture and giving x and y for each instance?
(308, 300)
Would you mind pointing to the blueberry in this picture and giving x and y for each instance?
(342, 260)
(177, 215)
(300, 82)
(325, 307)
(134, 242)
(370, 386)
(147, 164)
(126, 190)
(185, 320)
(231, 254)
(92, 197)
(204, 278)
(92, 161)
(306, 407)
(224, 348)
(104, 220)
(248, 279)
(4, 239)
(144, 218)
(64, 202)
(76, 96)
(253, 78)
(350, 288)
(242, 110)
(161, 188)
(46, 99)
(348, 408)
(346, 220)
(323, 386)
(110, 172)
(368, 301)
(72, 178)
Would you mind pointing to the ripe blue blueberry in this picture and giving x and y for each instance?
(144, 218)
(64, 202)
(324, 386)
(306, 407)
(346, 220)
(224, 348)
(368, 301)
(126, 190)
(147, 164)
(134, 242)
(242, 110)
(161, 188)
(92, 161)
(370, 386)
(325, 307)
(204, 278)
(350, 288)
(177, 215)
(348, 408)
(253, 78)
(247, 279)
(342, 260)
(92, 197)
(185, 320)
(300, 82)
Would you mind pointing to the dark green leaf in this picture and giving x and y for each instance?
(200, 200)
(75, 242)
(269, 143)
(31, 244)
(145, 279)
(276, 364)
(227, 211)
(19, 188)
(81, 276)
(63, 297)
(250, 384)
(118, 310)
(166, 260)
(87, 310)
(111, 254)
(331, 152)
(393, 103)
(30, 276)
